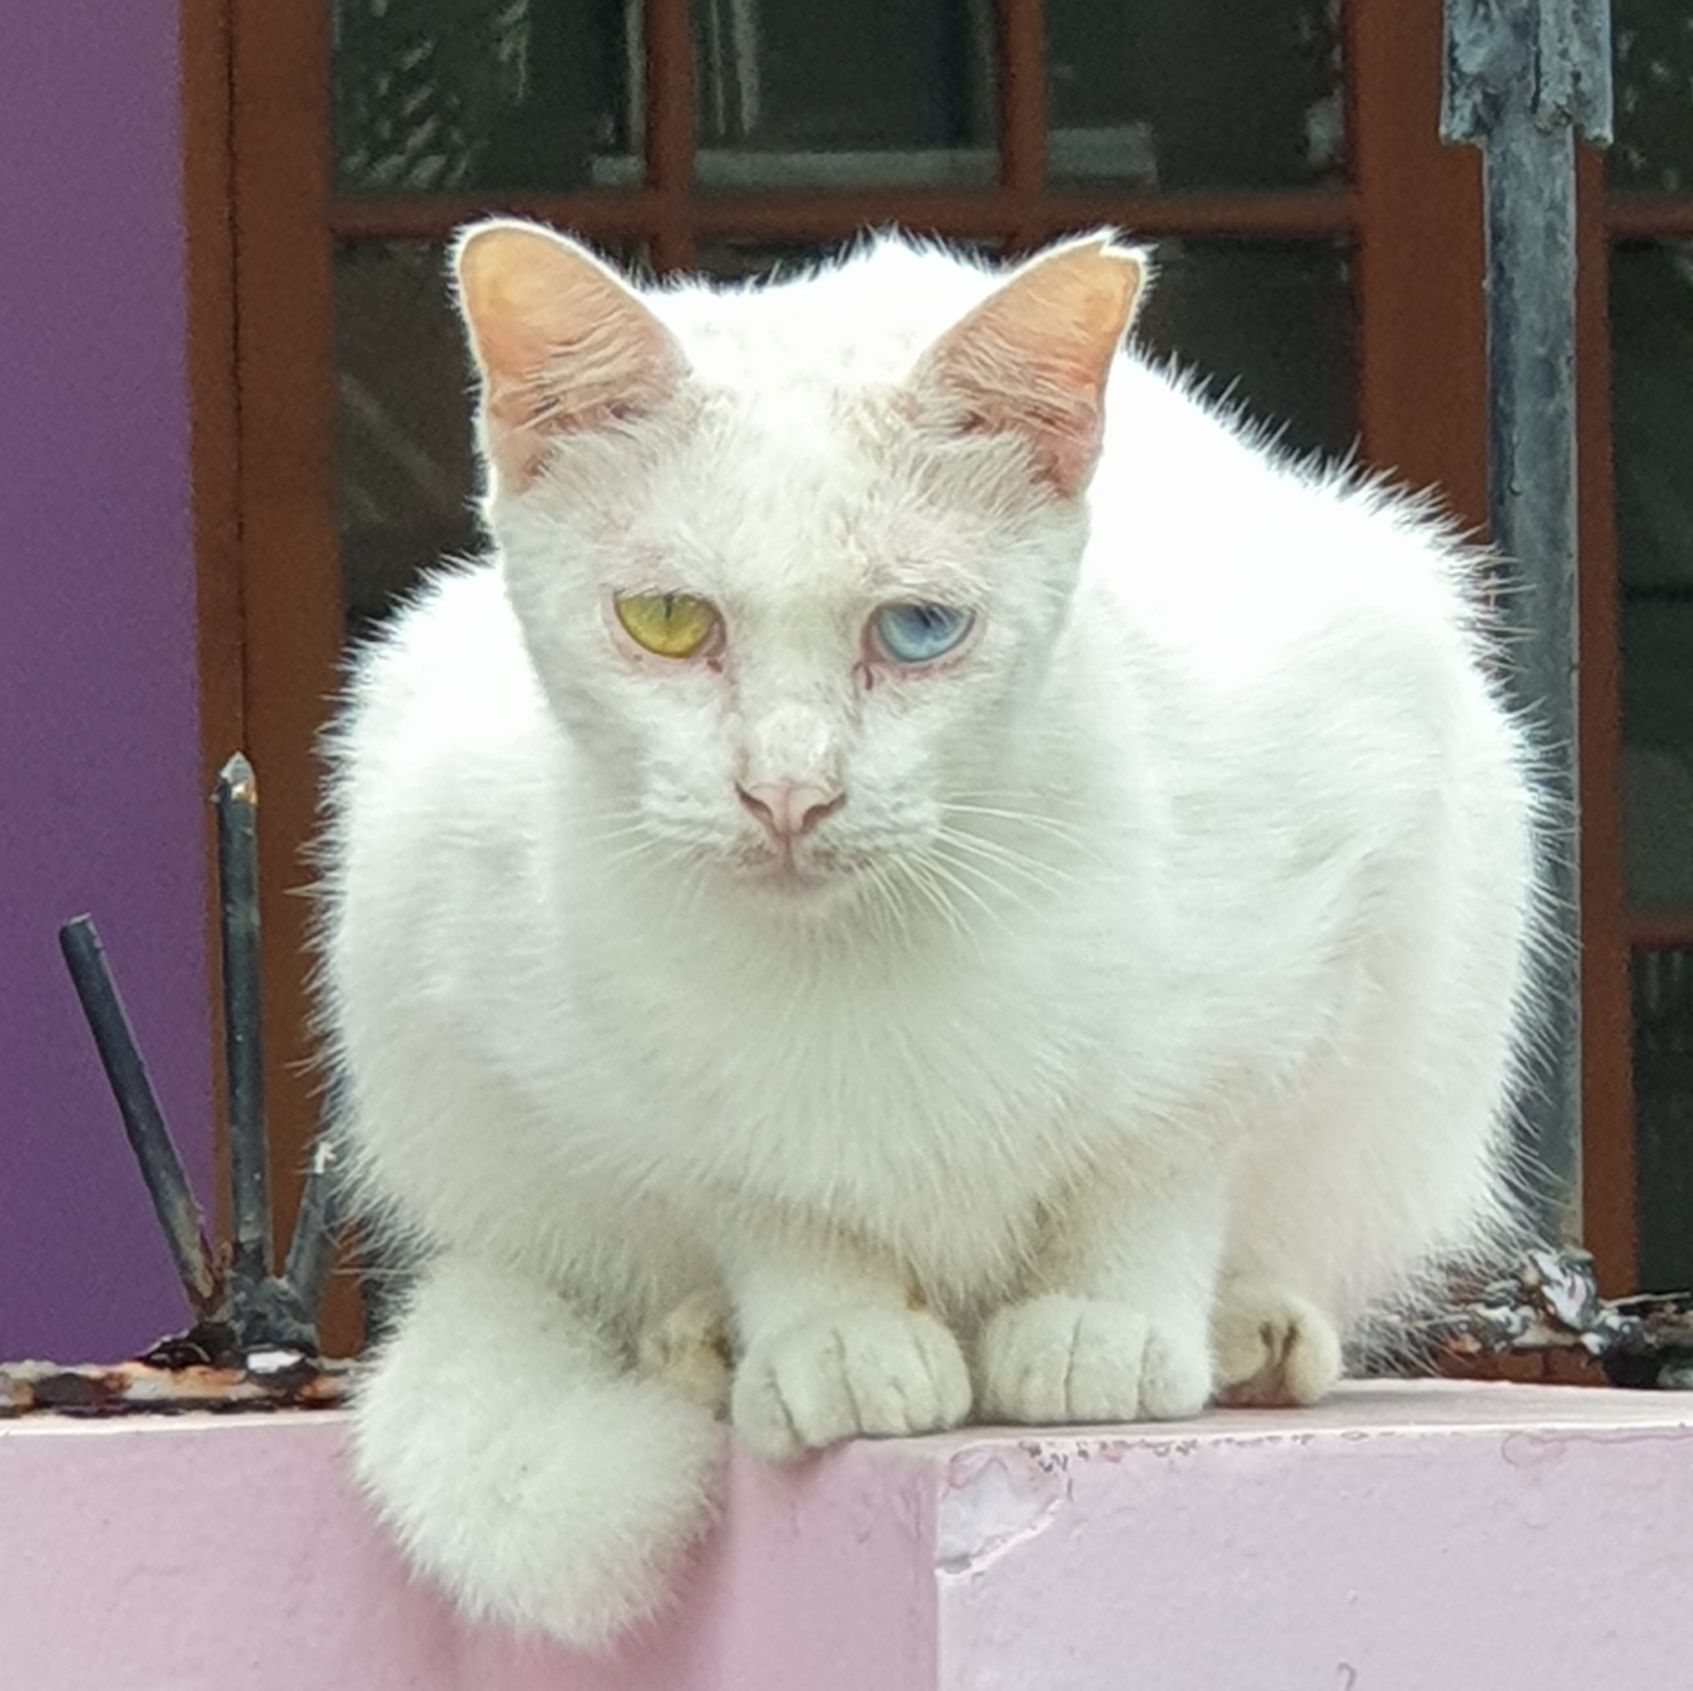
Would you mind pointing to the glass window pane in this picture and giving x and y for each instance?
(739, 261)
(1195, 94)
(735, 261)
(1663, 1100)
(470, 95)
(1653, 57)
(1652, 374)
(405, 471)
(791, 93)
(1270, 324)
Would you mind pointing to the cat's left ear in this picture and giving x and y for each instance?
(1033, 358)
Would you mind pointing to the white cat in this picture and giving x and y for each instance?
(928, 866)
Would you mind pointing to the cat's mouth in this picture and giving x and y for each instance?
(790, 874)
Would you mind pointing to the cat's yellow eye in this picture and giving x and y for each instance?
(672, 625)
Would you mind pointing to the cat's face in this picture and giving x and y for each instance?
(787, 605)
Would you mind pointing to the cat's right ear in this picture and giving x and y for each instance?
(562, 344)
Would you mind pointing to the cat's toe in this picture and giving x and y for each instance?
(1274, 1349)
(1057, 1359)
(874, 1372)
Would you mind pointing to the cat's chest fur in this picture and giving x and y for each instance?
(889, 1092)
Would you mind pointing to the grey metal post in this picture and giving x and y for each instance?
(237, 802)
(1522, 78)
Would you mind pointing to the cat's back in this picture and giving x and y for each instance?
(1305, 648)
(1220, 540)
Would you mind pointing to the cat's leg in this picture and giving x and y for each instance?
(1388, 1165)
(1385, 1170)
(835, 1343)
(1117, 1326)
(1273, 1347)
(520, 1462)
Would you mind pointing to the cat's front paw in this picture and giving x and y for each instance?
(1274, 1349)
(1058, 1360)
(880, 1372)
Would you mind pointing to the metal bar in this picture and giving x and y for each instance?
(238, 871)
(1521, 77)
(1022, 113)
(838, 214)
(144, 1123)
(670, 130)
(311, 1255)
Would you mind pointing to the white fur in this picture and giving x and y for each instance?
(1163, 972)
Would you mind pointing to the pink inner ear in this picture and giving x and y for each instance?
(1033, 359)
(1065, 441)
(563, 345)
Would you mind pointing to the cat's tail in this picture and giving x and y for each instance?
(523, 1465)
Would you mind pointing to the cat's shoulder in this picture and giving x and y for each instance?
(446, 672)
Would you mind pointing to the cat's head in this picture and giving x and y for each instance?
(792, 562)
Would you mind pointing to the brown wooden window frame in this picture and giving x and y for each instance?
(264, 224)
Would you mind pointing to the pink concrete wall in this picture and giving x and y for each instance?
(1402, 1538)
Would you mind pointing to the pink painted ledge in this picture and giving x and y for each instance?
(1403, 1536)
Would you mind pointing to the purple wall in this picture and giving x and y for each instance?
(99, 801)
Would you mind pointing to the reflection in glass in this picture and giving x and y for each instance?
(1195, 94)
(1652, 374)
(444, 95)
(790, 93)
(1653, 60)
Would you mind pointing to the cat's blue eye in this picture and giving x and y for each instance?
(918, 634)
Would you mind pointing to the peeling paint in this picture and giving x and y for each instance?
(993, 1506)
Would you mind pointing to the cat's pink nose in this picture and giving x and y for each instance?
(787, 809)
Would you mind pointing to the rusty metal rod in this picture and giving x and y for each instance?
(317, 1230)
(144, 1123)
(238, 874)
(1523, 77)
